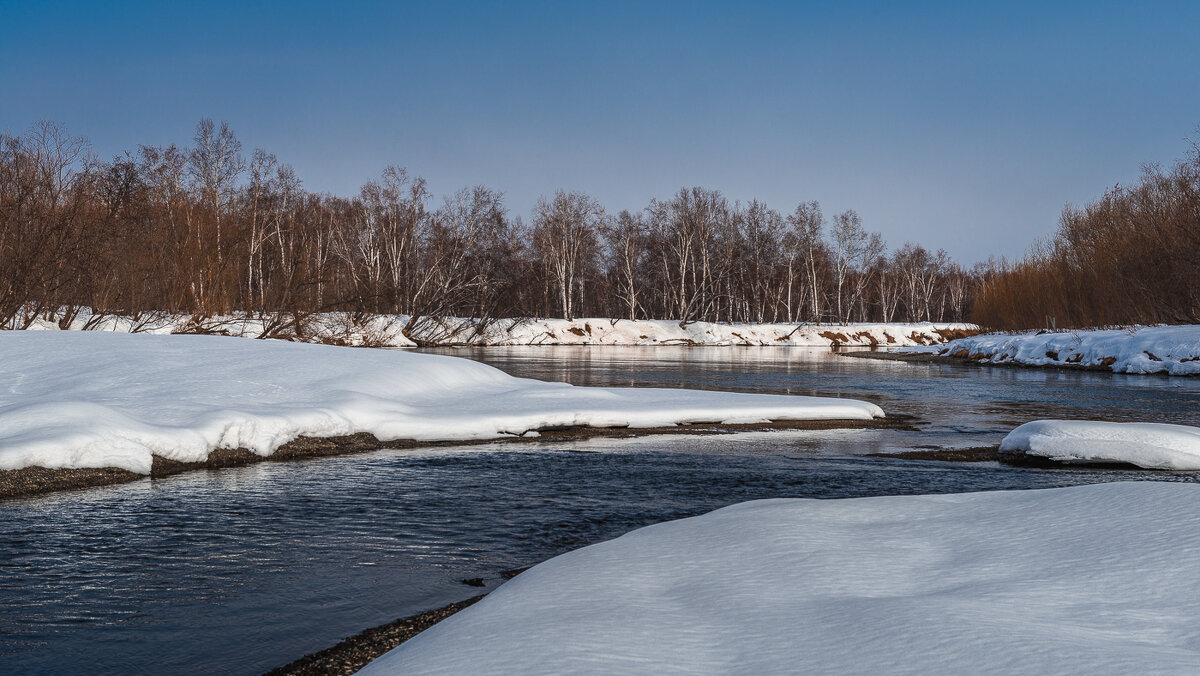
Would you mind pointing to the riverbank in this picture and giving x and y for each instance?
(32, 481)
(1166, 350)
(384, 330)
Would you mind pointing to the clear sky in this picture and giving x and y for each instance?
(954, 124)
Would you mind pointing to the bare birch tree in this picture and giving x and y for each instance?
(566, 236)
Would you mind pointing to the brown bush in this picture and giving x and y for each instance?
(1130, 257)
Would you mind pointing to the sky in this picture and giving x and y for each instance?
(959, 125)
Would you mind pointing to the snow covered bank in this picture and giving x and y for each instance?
(1149, 445)
(1088, 580)
(387, 331)
(337, 328)
(1149, 349)
(95, 399)
(663, 332)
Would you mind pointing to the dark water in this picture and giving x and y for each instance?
(241, 570)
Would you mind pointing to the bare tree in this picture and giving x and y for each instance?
(854, 253)
(627, 245)
(762, 232)
(805, 252)
(565, 236)
(689, 229)
(43, 197)
(215, 163)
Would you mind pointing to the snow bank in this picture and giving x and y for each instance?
(1149, 349)
(340, 328)
(387, 331)
(663, 332)
(1089, 580)
(1149, 445)
(95, 399)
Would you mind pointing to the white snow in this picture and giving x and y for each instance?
(105, 399)
(1149, 445)
(1174, 350)
(387, 330)
(1096, 579)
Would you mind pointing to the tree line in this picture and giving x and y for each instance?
(1130, 257)
(206, 230)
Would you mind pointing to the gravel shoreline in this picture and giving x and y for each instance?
(353, 653)
(31, 481)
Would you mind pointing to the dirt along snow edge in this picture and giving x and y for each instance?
(122, 403)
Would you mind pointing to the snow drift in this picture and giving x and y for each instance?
(1174, 350)
(1089, 580)
(1149, 445)
(99, 399)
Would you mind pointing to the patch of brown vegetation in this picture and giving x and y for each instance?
(577, 331)
(835, 339)
(1052, 354)
(866, 336)
(954, 334)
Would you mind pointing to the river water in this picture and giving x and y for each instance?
(240, 570)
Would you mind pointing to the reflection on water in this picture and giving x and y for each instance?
(237, 571)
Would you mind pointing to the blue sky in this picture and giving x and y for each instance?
(958, 125)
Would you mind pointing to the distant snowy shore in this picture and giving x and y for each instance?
(664, 332)
(1173, 350)
(93, 399)
(390, 331)
(1095, 579)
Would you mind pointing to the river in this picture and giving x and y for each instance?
(240, 570)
